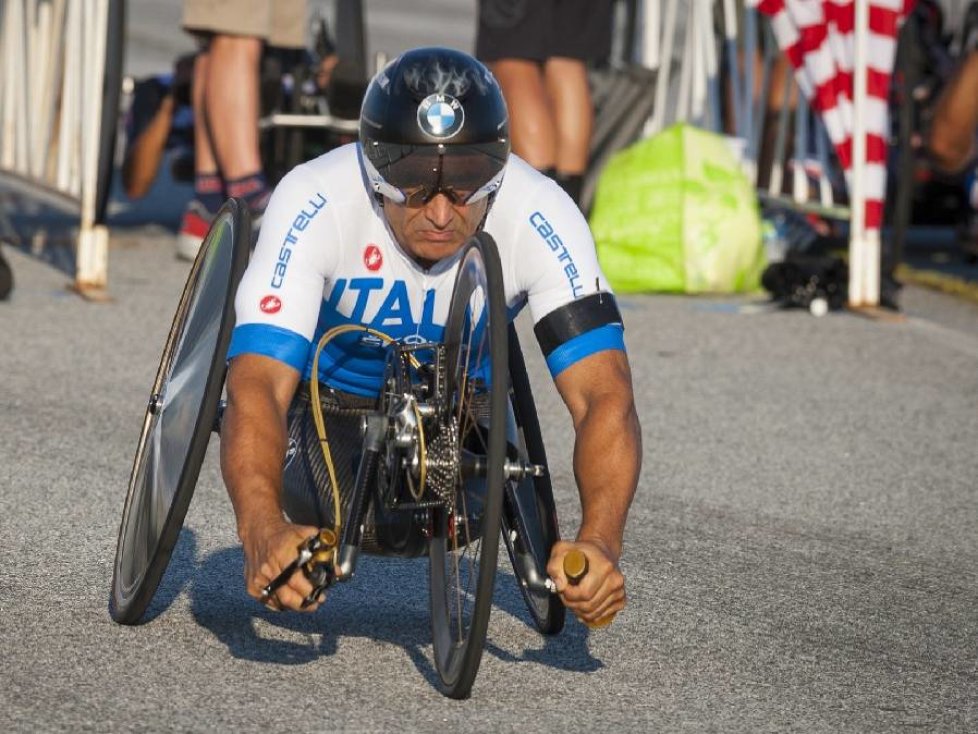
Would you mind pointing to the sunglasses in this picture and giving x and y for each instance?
(416, 196)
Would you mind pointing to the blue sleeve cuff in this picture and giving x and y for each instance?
(609, 336)
(270, 341)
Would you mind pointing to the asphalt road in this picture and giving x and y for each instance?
(800, 556)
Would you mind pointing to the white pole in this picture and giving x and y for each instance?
(697, 104)
(864, 247)
(93, 241)
(686, 70)
(800, 153)
(714, 97)
(730, 43)
(746, 109)
(665, 69)
(651, 30)
(21, 127)
(7, 92)
(51, 28)
(68, 126)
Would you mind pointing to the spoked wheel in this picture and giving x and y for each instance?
(529, 514)
(180, 415)
(463, 549)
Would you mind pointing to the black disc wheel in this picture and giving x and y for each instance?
(465, 539)
(180, 415)
(529, 516)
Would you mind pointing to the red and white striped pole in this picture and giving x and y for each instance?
(864, 240)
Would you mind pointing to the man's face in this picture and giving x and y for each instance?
(435, 230)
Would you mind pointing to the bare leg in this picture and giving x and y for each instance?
(531, 122)
(231, 101)
(204, 161)
(567, 87)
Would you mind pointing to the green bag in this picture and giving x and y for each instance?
(674, 213)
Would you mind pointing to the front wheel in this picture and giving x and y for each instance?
(465, 537)
(180, 415)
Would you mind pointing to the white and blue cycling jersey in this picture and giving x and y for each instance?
(326, 257)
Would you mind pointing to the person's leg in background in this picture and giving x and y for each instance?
(573, 115)
(227, 103)
(581, 36)
(231, 105)
(531, 126)
(538, 51)
(511, 41)
(551, 116)
(208, 186)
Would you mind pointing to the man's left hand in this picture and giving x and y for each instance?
(600, 594)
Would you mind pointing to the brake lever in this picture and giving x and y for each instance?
(316, 561)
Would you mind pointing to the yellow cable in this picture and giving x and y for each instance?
(317, 413)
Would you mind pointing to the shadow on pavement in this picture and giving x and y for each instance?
(360, 608)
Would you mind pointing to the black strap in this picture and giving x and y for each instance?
(576, 318)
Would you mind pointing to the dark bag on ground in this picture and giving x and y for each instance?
(801, 279)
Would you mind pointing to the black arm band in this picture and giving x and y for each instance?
(576, 318)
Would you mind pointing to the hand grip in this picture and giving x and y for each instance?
(315, 556)
(575, 569)
(575, 566)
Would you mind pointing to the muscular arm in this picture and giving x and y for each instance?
(952, 133)
(253, 439)
(607, 459)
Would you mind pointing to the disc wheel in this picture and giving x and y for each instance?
(529, 516)
(180, 415)
(465, 538)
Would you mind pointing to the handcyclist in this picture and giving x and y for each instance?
(369, 234)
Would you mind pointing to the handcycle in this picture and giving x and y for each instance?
(451, 459)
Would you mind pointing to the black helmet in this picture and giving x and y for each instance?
(434, 120)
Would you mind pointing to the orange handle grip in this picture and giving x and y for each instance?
(575, 569)
(575, 566)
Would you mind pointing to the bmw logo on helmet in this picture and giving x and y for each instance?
(440, 116)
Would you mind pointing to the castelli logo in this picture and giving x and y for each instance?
(372, 258)
(270, 304)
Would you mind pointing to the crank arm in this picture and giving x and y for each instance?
(283, 578)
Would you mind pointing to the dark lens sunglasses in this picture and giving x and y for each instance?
(421, 176)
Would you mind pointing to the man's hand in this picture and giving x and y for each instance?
(269, 549)
(601, 593)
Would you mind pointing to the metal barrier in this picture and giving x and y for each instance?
(59, 97)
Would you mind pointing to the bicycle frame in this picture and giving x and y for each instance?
(414, 408)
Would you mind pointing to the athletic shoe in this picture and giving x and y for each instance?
(196, 222)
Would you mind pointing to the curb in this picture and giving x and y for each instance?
(950, 284)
